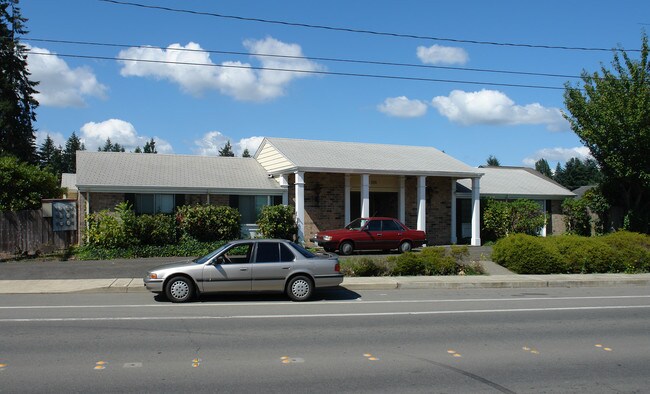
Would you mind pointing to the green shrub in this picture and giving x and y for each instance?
(108, 229)
(633, 249)
(576, 216)
(526, 254)
(437, 262)
(207, 223)
(408, 263)
(278, 221)
(23, 185)
(586, 255)
(510, 217)
(159, 229)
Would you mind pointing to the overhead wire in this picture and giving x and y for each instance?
(317, 72)
(315, 58)
(364, 31)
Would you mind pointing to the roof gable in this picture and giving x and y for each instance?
(353, 157)
(515, 182)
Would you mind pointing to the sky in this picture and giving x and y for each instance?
(193, 80)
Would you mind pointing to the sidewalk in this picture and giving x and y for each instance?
(132, 285)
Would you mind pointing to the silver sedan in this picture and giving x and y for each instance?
(258, 265)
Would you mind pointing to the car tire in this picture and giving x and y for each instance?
(300, 288)
(346, 248)
(405, 247)
(179, 289)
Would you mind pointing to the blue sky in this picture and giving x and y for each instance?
(191, 109)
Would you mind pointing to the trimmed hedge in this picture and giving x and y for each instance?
(187, 247)
(618, 252)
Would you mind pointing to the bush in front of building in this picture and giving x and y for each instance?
(108, 229)
(617, 252)
(208, 223)
(277, 221)
(158, 229)
(511, 217)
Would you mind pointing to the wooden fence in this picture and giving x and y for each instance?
(29, 233)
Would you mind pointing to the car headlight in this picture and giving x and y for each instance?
(153, 275)
(327, 237)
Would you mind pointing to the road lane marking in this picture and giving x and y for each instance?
(530, 350)
(356, 301)
(99, 365)
(291, 360)
(607, 349)
(316, 315)
(196, 362)
(370, 357)
(454, 353)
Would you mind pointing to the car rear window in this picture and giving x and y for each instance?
(303, 251)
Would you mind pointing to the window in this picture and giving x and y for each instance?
(154, 203)
(374, 225)
(390, 225)
(267, 252)
(236, 254)
(250, 207)
(286, 254)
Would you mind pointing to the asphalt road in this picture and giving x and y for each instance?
(498, 340)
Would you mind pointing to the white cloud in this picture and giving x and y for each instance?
(438, 54)
(94, 135)
(251, 144)
(403, 107)
(495, 108)
(61, 86)
(558, 155)
(212, 141)
(236, 79)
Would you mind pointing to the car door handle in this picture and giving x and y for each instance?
(379, 235)
(286, 268)
(243, 269)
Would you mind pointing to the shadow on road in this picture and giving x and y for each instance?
(334, 294)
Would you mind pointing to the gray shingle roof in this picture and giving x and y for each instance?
(139, 172)
(353, 157)
(515, 182)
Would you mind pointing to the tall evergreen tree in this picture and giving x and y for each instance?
(72, 145)
(246, 153)
(227, 150)
(111, 147)
(542, 166)
(17, 104)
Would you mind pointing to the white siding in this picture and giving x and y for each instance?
(272, 160)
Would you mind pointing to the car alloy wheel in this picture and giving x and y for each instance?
(346, 248)
(405, 247)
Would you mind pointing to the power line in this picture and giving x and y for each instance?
(361, 31)
(339, 60)
(317, 72)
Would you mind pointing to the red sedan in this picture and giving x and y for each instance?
(376, 233)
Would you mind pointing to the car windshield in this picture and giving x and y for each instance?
(356, 224)
(303, 251)
(207, 257)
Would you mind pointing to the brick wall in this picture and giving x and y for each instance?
(438, 208)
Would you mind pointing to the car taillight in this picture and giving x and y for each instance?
(337, 267)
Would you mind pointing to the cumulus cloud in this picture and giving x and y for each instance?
(438, 54)
(402, 107)
(234, 78)
(94, 135)
(210, 143)
(558, 155)
(60, 85)
(493, 107)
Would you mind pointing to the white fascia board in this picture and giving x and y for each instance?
(516, 196)
(172, 190)
(458, 175)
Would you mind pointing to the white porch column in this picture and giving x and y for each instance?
(300, 205)
(476, 212)
(346, 198)
(365, 195)
(422, 203)
(454, 238)
(402, 199)
(284, 184)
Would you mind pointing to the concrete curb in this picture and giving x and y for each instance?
(136, 285)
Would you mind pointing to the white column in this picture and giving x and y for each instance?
(365, 195)
(422, 203)
(284, 184)
(454, 238)
(300, 205)
(402, 199)
(476, 211)
(346, 198)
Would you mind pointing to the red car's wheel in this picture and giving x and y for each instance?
(346, 248)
